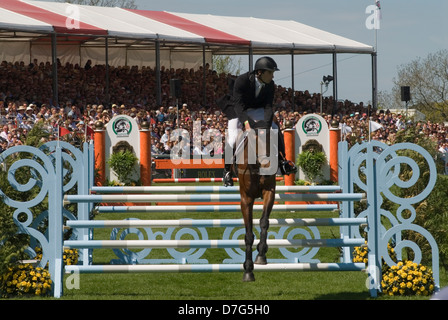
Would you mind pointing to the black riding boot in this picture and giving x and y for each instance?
(286, 166)
(227, 179)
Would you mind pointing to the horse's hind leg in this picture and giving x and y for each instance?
(247, 208)
(262, 247)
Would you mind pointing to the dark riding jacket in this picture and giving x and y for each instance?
(244, 98)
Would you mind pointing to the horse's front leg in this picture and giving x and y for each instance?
(247, 210)
(262, 247)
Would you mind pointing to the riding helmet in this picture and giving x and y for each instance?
(266, 63)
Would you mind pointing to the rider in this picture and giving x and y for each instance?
(253, 95)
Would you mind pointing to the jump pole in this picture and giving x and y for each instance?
(190, 268)
(204, 189)
(210, 244)
(195, 180)
(214, 208)
(212, 223)
(114, 198)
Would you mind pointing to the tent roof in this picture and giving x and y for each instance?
(89, 25)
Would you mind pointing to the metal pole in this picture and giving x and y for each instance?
(335, 84)
(107, 70)
(158, 81)
(292, 82)
(204, 80)
(54, 57)
(374, 82)
(251, 59)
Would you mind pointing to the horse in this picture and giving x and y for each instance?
(256, 166)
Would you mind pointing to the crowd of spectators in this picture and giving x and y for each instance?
(26, 99)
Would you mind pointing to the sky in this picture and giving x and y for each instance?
(408, 29)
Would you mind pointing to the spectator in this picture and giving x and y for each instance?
(132, 91)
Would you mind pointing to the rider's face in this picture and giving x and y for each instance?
(266, 76)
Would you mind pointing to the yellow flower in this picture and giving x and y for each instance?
(409, 284)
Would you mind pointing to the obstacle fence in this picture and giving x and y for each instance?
(57, 168)
(233, 227)
(193, 259)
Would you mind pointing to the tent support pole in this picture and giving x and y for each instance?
(335, 83)
(292, 82)
(158, 82)
(374, 83)
(54, 58)
(251, 59)
(106, 48)
(204, 77)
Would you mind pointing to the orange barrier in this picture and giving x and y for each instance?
(290, 146)
(99, 140)
(145, 157)
(335, 137)
(163, 164)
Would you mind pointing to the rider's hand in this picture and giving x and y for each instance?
(247, 125)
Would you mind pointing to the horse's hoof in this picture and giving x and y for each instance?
(261, 260)
(248, 277)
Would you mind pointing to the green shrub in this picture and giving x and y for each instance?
(123, 163)
(12, 245)
(311, 164)
(432, 214)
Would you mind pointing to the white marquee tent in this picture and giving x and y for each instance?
(114, 36)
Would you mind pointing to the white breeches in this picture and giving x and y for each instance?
(234, 125)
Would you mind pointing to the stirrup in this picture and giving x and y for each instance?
(287, 167)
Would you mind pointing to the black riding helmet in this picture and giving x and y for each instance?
(266, 63)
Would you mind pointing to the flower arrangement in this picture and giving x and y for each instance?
(360, 254)
(404, 278)
(408, 278)
(70, 256)
(25, 279)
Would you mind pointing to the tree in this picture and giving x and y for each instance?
(226, 64)
(128, 4)
(428, 79)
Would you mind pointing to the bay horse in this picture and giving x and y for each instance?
(257, 164)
